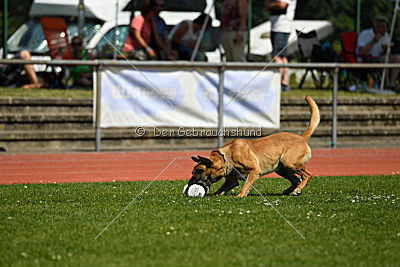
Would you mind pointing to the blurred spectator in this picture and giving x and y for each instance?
(82, 74)
(282, 14)
(141, 31)
(372, 44)
(233, 27)
(162, 31)
(10, 73)
(185, 34)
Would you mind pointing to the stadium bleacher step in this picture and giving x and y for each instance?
(45, 125)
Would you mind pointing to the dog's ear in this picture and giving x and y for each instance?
(205, 161)
(218, 159)
(195, 159)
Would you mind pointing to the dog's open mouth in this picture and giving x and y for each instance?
(206, 183)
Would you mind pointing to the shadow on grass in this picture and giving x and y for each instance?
(266, 194)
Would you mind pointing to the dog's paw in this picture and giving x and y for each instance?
(296, 192)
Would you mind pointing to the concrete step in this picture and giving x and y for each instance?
(44, 117)
(87, 143)
(349, 101)
(346, 123)
(359, 119)
(39, 105)
(342, 116)
(67, 125)
(24, 101)
(32, 117)
(45, 122)
(130, 133)
(45, 109)
(84, 121)
(345, 104)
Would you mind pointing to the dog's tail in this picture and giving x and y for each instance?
(314, 119)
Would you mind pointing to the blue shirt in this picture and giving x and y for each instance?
(161, 26)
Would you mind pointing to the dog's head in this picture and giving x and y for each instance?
(208, 170)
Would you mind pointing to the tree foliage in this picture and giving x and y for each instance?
(18, 14)
(343, 13)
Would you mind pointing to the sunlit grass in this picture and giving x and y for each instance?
(88, 93)
(345, 220)
(45, 93)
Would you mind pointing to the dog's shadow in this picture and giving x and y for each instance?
(266, 194)
(270, 194)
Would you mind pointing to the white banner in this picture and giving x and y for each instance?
(131, 99)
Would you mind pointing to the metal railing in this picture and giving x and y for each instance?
(220, 67)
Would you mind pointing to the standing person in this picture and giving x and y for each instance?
(185, 34)
(141, 31)
(372, 45)
(281, 16)
(162, 31)
(233, 27)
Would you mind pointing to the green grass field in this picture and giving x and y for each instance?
(45, 93)
(85, 93)
(346, 221)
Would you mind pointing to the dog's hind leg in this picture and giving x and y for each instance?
(296, 163)
(230, 183)
(306, 175)
(288, 174)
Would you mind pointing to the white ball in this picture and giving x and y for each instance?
(194, 190)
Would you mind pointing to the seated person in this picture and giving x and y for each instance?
(162, 31)
(141, 31)
(185, 34)
(372, 45)
(82, 74)
(10, 73)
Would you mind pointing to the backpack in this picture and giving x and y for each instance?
(324, 53)
(9, 73)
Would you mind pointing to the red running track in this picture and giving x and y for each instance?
(105, 167)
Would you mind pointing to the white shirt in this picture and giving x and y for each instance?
(366, 37)
(283, 23)
(189, 35)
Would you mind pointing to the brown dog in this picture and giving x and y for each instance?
(283, 153)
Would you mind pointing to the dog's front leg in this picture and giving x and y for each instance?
(230, 183)
(251, 179)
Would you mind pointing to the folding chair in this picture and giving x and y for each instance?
(55, 31)
(349, 44)
(307, 42)
(351, 77)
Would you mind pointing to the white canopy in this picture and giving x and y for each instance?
(260, 43)
(101, 9)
